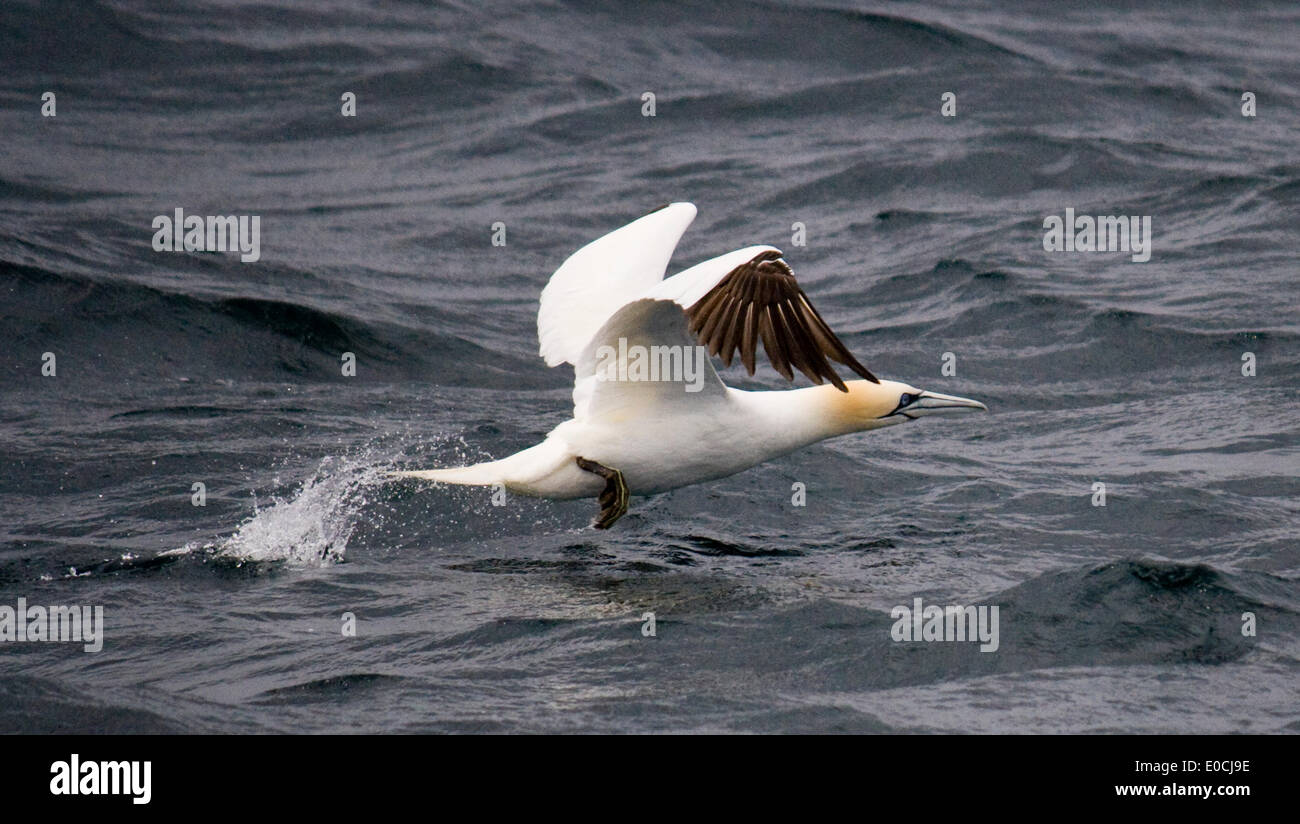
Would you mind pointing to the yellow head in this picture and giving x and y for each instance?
(870, 405)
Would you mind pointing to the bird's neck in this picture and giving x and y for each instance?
(783, 421)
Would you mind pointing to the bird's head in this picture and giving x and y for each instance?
(870, 405)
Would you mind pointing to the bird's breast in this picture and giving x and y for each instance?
(659, 454)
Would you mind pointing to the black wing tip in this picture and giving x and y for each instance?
(853, 364)
(839, 382)
(766, 261)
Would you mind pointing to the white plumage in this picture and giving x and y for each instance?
(679, 429)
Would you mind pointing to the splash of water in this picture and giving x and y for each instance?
(312, 527)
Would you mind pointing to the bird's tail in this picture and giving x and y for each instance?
(484, 474)
(515, 471)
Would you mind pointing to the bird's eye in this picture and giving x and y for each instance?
(906, 400)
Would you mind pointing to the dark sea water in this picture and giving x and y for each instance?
(924, 236)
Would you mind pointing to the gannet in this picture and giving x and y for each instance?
(642, 422)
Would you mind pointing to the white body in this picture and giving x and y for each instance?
(726, 434)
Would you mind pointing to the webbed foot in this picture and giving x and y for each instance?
(614, 499)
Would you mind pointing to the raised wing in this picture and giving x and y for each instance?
(760, 298)
(604, 275)
(641, 360)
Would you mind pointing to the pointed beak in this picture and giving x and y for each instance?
(934, 403)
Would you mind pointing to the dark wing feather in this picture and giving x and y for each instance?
(760, 299)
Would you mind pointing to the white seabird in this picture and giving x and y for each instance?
(642, 424)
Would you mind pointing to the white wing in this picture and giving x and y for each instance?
(604, 275)
(676, 370)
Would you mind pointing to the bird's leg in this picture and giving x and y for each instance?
(613, 500)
